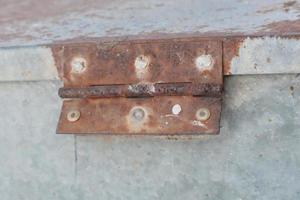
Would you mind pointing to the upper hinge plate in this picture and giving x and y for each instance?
(159, 87)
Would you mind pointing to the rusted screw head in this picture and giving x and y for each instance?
(204, 62)
(138, 114)
(203, 114)
(176, 109)
(78, 64)
(73, 115)
(141, 62)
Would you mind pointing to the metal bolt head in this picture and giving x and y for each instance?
(204, 62)
(138, 114)
(203, 114)
(78, 64)
(73, 115)
(176, 109)
(141, 62)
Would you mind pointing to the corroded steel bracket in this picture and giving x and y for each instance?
(154, 87)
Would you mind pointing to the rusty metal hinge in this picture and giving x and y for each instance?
(155, 87)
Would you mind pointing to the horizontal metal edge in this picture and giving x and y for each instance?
(242, 56)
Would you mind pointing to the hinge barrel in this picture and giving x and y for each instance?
(143, 90)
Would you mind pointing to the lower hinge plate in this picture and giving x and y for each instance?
(158, 115)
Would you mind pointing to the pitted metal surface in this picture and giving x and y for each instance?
(104, 82)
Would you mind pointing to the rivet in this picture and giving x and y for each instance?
(78, 64)
(138, 114)
(141, 62)
(73, 116)
(204, 62)
(176, 109)
(203, 114)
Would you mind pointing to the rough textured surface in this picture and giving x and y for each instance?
(34, 162)
(265, 55)
(29, 23)
(116, 116)
(27, 64)
(256, 55)
(115, 63)
(256, 155)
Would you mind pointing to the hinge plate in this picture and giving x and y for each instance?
(159, 87)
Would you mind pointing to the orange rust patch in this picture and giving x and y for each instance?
(283, 27)
(230, 50)
(111, 63)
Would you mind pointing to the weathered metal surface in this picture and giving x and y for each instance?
(169, 60)
(230, 50)
(143, 90)
(30, 24)
(261, 55)
(157, 69)
(115, 116)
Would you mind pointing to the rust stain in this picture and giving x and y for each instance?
(292, 27)
(113, 98)
(288, 5)
(230, 50)
(285, 6)
(110, 116)
(114, 63)
(57, 52)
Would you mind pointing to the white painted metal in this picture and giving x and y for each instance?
(36, 22)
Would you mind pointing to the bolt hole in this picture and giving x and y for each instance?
(141, 62)
(203, 114)
(176, 109)
(73, 115)
(138, 114)
(78, 64)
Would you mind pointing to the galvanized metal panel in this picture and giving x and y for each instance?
(27, 64)
(262, 55)
(256, 155)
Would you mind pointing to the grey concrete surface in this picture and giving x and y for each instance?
(256, 155)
